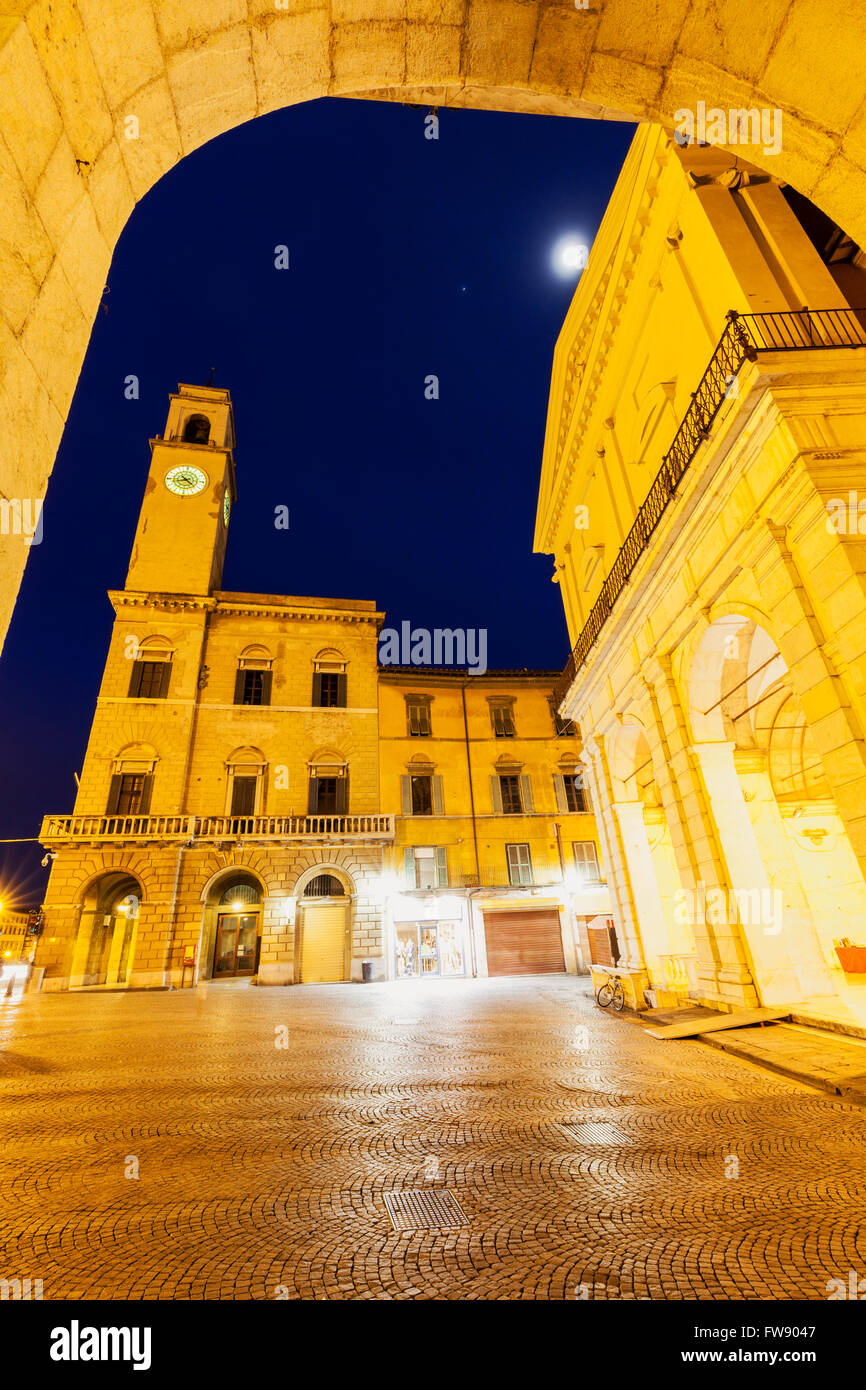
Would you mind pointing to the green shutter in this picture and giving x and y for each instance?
(561, 803)
(135, 679)
(113, 795)
(409, 868)
(438, 803)
(144, 799)
(341, 689)
(441, 866)
(267, 678)
(239, 687)
(317, 689)
(526, 794)
(164, 679)
(406, 793)
(496, 795)
(342, 795)
(313, 797)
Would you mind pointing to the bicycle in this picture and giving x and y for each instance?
(611, 992)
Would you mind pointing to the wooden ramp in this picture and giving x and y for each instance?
(715, 1022)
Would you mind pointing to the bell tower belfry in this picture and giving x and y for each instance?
(180, 540)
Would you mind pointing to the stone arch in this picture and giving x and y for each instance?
(213, 907)
(97, 102)
(327, 866)
(104, 940)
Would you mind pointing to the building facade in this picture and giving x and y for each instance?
(260, 800)
(702, 495)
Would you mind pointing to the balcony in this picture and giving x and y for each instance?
(190, 830)
(746, 336)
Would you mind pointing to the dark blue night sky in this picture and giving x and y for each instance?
(408, 257)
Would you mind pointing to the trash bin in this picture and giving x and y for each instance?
(366, 971)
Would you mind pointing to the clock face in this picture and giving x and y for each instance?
(226, 506)
(186, 481)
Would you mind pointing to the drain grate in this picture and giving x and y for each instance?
(596, 1132)
(424, 1211)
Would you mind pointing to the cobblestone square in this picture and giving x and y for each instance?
(267, 1125)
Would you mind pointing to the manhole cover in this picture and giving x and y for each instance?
(596, 1132)
(424, 1211)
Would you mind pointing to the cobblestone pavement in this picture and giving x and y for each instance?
(263, 1169)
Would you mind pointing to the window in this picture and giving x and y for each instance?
(329, 681)
(129, 794)
(422, 794)
(244, 796)
(253, 688)
(254, 677)
(426, 866)
(418, 716)
(329, 795)
(196, 430)
(502, 719)
(511, 794)
(519, 864)
(571, 793)
(565, 728)
(149, 680)
(324, 886)
(586, 861)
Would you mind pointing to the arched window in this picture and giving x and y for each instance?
(572, 793)
(241, 895)
(254, 677)
(324, 886)
(151, 669)
(132, 780)
(329, 785)
(245, 793)
(196, 430)
(329, 680)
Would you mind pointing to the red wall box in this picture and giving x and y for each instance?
(852, 959)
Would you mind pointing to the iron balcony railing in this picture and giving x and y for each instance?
(745, 335)
(192, 829)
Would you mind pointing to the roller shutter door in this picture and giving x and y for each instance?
(524, 943)
(323, 947)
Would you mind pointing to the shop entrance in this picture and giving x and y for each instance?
(236, 948)
(425, 949)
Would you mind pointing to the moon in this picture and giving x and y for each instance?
(569, 256)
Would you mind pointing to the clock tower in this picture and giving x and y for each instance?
(180, 540)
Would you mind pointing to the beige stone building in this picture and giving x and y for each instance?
(702, 495)
(260, 800)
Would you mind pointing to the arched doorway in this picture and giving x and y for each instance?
(325, 925)
(107, 930)
(238, 929)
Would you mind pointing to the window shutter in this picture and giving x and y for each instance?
(313, 798)
(144, 800)
(583, 783)
(438, 803)
(239, 687)
(165, 679)
(559, 784)
(406, 792)
(113, 795)
(409, 867)
(135, 680)
(496, 795)
(441, 866)
(526, 793)
(267, 677)
(342, 795)
(317, 688)
(341, 689)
